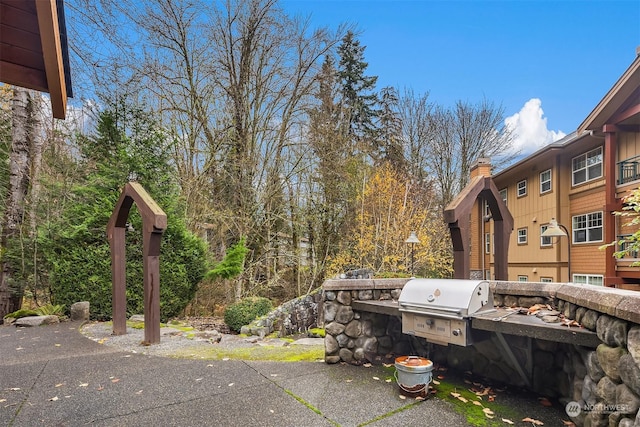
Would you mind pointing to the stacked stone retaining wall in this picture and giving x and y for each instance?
(293, 317)
(603, 381)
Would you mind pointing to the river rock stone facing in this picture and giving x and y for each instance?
(604, 381)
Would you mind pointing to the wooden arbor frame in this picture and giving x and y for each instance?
(154, 222)
(457, 216)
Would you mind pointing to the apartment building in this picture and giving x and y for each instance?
(579, 182)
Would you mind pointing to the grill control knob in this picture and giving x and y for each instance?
(456, 332)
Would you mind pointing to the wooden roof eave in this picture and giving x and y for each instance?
(53, 59)
(615, 98)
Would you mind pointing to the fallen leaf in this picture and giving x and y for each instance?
(271, 410)
(139, 392)
(100, 388)
(367, 365)
(402, 396)
(388, 380)
(491, 398)
(115, 380)
(84, 385)
(436, 382)
(14, 389)
(568, 423)
(533, 421)
(487, 411)
(545, 402)
(225, 358)
(456, 395)
(387, 365)
(462, 399)
(506, 421)
(274, 375)
(58, 345)
(440, 377)
(209, 365)
(102, 341)
(477, 402)
(376, 378)
(420, 398)
(199, 379)
(349, 380)
(19, 348)
(59, 385)
(230, 384)
(53, 399)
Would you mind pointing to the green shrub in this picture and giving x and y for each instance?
(246, 311)
(50, 309)
(23, 312)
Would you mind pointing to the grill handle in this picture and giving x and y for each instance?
(448, 313)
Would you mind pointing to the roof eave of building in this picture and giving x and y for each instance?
(614, 98)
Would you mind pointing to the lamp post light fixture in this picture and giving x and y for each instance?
(558, 230)
(412, 240)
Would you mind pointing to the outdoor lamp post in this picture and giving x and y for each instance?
(557, 230)
(412, 240)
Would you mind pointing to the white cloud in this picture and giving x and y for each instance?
(529, 128)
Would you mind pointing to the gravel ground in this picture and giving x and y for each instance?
(174, 340)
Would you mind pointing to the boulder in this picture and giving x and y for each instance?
(79, 311)
(37, 320)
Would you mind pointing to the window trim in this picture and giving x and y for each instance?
(588, 278)
(575, 229)
(487, 243)
(518, 188)
(504, 196)
(586, 167)
(543, 228)
(522, 276)
(526, 236)
(547, 181)
(546, 280)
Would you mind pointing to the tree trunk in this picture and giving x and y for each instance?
(23, 127)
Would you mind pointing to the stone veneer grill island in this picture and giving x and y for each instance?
(596, 364)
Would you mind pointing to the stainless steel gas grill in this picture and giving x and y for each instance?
(440, 309)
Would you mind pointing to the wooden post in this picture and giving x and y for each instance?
(154, 222)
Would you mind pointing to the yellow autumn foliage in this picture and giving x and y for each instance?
(390, 207)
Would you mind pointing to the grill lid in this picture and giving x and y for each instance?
(451, 298)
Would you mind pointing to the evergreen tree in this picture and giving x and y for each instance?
(359, 99)
(128, 145)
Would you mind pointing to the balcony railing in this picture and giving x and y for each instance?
(626, 246)
(629, 170)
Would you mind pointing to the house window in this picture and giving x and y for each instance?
(587, 167)
(522, 188)
(545, 241)
(523, 278)
(545, 181)
(487, 243)
(546, 280)
(587, 228)
(503, 195)
(522, 236)
(588, 279)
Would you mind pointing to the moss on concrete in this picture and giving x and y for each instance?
(267, 353)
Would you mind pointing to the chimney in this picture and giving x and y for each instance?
(481, 167)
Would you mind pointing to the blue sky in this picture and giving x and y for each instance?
(548, 63)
